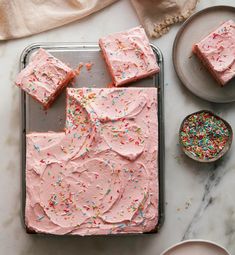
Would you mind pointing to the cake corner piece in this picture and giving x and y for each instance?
(129, 56)
(44, 77)
(217, 52)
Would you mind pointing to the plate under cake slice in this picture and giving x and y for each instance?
(129, 56)
(217, 52)
(44, 77)
(100, 176)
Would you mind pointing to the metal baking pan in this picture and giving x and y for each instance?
(34, 118)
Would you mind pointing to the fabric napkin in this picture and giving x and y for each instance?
(19, 18)
(158, 15)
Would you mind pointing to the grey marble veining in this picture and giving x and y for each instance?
(199, 198)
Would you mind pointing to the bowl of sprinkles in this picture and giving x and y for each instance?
(204, 136)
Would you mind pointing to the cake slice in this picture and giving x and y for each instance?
(44, 77)
(217, 52)
(129, 56)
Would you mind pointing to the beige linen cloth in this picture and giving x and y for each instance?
(19, 18)
(158, 15)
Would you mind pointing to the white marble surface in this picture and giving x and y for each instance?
(199, 198)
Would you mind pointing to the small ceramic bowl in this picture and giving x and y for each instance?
(221, 153)
(195, 247)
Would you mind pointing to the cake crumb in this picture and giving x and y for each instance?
(79, 68)
(89, 66)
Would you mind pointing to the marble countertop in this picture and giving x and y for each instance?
(199, 198)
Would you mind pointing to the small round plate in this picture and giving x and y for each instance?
(189, 69)
(196, 247)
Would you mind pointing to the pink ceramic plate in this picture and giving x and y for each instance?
(196, 247)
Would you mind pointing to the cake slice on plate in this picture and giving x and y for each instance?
(44, 77)
(217, 52)
(129, 56)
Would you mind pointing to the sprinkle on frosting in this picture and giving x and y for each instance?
(100, 175)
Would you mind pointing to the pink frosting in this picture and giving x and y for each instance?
(44, 76)
(100, 176)
(128, 55)
(218, 50)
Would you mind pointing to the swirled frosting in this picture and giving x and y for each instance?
(217, 51)
(100, 175)
(44, 77)
(128, 55)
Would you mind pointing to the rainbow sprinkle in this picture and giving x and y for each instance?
(204, 135)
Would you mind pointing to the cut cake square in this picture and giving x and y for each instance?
(129, 56)
(44, 77)
(217, 52)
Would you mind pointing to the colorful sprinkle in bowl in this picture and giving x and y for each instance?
(204, 136)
